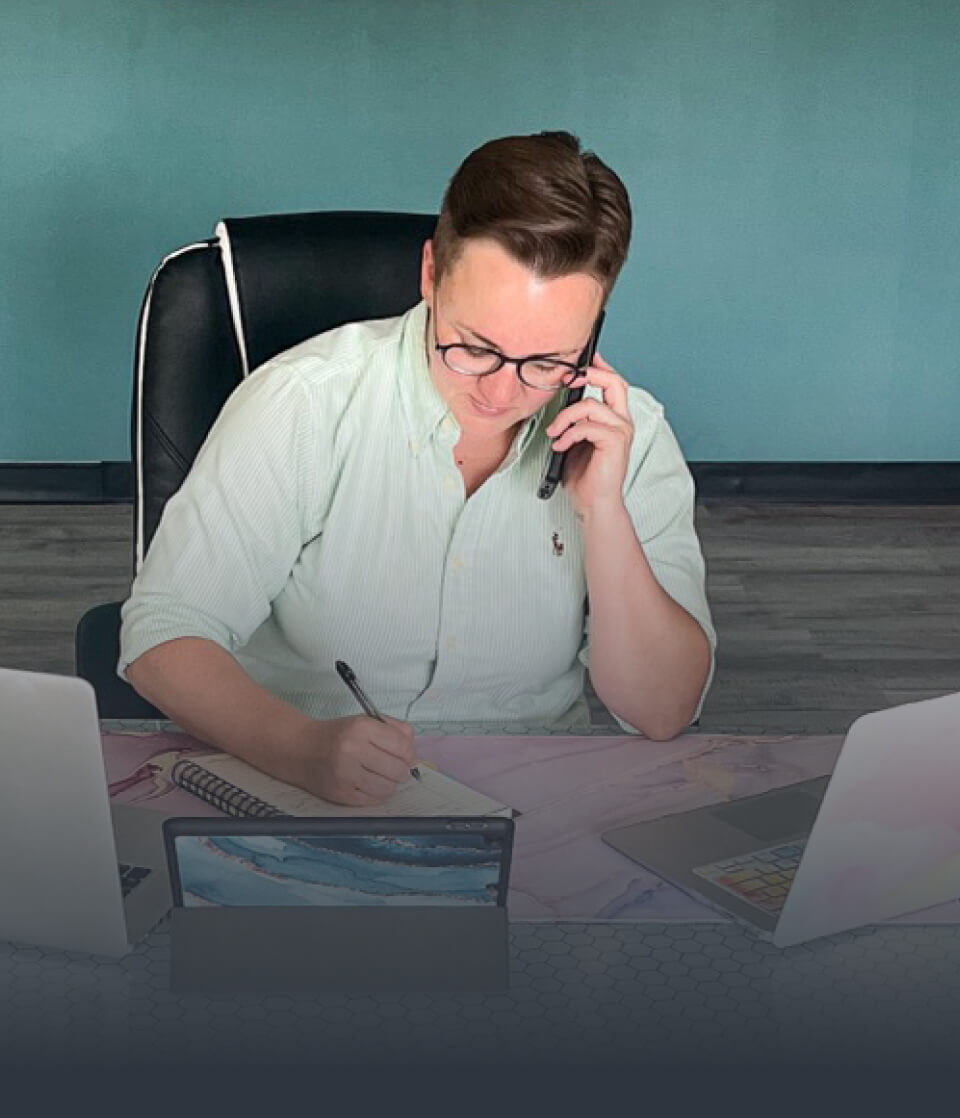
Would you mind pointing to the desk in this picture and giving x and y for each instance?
(582, 993)
(569, 790)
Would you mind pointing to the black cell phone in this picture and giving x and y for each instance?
(553, 474)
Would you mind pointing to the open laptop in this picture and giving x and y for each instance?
(879, 838)
(73, 874)
(334, 904)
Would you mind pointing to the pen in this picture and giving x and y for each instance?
(346, 673)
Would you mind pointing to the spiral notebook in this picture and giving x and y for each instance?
(239, 789)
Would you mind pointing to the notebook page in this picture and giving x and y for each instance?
(433, 794)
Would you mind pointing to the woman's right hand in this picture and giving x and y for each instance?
(357, 761)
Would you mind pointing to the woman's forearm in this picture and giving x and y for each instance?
(649, 659)
(202, 688)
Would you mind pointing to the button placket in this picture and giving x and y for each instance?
(454, 604)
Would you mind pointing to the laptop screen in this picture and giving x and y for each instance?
(287, 862)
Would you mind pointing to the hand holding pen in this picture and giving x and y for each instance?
(357, 761)
(348, 676)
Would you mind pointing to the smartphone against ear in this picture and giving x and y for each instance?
(553, 474)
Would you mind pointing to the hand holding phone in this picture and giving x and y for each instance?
(553, 474)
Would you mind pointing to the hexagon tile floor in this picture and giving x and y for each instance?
(579, 993)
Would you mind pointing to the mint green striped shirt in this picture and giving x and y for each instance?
(325, 519)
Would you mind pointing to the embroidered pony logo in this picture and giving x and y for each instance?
(557, 545)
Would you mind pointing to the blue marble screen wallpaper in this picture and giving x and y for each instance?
(256, 870)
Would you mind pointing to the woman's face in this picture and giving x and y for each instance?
(489, 299)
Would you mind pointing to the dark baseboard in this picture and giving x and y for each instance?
(899, 483)
(867, 483)
(66, 483)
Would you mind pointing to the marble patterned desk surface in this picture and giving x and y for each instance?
(569, 790)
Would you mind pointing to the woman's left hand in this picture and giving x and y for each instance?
(598, 435)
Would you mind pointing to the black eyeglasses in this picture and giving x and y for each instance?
(544, 373)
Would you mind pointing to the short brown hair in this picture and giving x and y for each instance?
(552, 206)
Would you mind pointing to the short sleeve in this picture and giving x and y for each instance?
(228, 539)
(660, 497)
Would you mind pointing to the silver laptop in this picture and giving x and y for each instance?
(879, 838)
(73, 874)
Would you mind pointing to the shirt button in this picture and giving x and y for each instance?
(457, 563)
(451, 643)
(449, 481)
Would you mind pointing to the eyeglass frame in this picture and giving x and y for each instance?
(575, 369)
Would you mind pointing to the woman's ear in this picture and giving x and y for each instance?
(427, 272)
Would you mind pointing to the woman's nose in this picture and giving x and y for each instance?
(499, 388)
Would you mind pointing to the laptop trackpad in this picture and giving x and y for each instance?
(772, 816)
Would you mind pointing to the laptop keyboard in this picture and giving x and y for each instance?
(761, 878)
(131, 876)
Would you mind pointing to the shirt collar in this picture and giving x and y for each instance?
(423, 406)
(425, 409)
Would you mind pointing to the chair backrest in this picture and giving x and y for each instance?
(216, 310)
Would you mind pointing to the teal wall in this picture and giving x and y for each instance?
(794, 285)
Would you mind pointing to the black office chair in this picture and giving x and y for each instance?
(214, 312)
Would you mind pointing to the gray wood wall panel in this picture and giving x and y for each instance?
(823, 612)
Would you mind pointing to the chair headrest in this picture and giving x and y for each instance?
(296, 275)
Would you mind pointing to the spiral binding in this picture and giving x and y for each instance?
(221, 793)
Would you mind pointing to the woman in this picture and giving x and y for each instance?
(371, 496)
